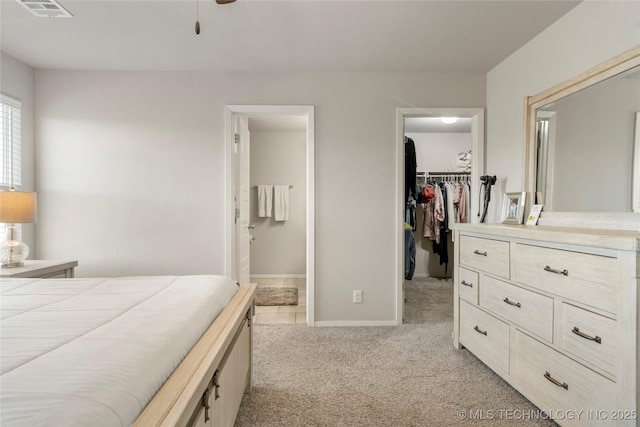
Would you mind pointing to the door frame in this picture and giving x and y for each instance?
(477, 169)
(272, 110)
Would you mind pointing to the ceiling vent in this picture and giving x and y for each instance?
(45, 8)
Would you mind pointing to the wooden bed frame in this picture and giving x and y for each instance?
(207, 387)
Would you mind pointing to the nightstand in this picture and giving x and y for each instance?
(41, 269)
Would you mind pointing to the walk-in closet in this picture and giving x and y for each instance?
(438, 160)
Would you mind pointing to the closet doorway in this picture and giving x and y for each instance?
(272, 147)
(445, 148)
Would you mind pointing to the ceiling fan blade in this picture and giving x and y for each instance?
(224, 1)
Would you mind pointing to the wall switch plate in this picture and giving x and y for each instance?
(357, 296)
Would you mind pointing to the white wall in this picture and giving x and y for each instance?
(591, 33)
(435, 152)
(280, 246)
(17, 81)
(131, 171)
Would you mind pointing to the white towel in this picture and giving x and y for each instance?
(265, 200)
(281, 202)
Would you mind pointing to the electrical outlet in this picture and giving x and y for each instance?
(357, 296)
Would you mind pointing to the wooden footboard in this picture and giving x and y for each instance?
(223, 354)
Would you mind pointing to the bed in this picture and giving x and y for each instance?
(144, 351)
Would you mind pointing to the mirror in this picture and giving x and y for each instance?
(583, 137)
(586, 145)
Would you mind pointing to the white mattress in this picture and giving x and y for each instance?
(93, 352)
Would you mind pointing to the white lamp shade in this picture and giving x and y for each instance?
(18, 207)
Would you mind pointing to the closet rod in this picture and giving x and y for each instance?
(449, 173)
(255, 186)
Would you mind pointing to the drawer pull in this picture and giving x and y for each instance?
(515, 304)
(553, 270)
(466, 284)
(477, 252)
(548, 376)
(576, 331)
(480, 331)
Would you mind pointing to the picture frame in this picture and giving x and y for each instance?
(534, 214)
(513, 208)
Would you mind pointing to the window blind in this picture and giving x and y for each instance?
(10, 158)
(10, 149)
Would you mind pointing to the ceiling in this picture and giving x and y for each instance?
(287, 35)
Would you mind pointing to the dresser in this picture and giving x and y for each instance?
(554, 312)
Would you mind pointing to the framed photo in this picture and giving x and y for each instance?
(513, 208)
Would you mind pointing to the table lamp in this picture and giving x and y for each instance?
(16, 207)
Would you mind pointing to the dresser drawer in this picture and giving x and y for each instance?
(468, 285)
(525, 308)
(491, 256)
(535, 367)
(586, 278)
(589, 336)
(485, 336)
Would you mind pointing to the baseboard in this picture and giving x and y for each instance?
(278, 276)
(348, 323)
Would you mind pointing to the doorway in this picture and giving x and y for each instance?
(443, 163)
(246, 226)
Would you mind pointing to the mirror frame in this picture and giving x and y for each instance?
(605, 220)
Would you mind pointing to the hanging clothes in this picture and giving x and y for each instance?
(439, 213)
(444, 203)
(440, 245)
(410, 174)
(409, 252)
(461, 192)
(449, 190)
(427, 220)
(410, 168)
(428, 196)
(410, 213)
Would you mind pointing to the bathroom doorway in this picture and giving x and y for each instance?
(241, 228)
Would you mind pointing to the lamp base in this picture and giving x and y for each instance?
(13, 253)
(13, 265)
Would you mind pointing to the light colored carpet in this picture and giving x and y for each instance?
(407, 375)
(428, 300)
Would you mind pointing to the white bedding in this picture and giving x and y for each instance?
(93, 352)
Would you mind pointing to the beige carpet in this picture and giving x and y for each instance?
(428, 300)
(408, 375)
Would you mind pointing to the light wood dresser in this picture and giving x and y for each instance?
(553, 311)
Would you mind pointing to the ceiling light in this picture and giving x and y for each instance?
(449, 120)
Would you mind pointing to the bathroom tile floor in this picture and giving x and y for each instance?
(282, 314)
